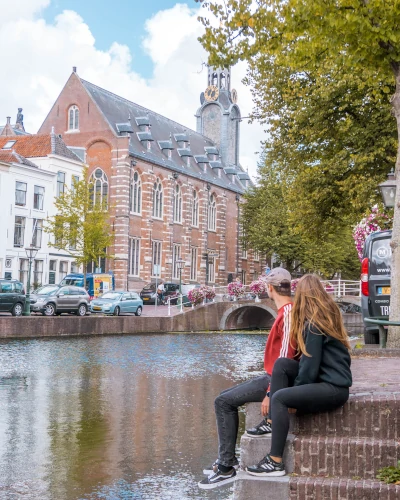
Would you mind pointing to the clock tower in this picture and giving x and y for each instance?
(218, 117)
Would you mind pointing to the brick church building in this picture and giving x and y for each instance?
(174, 193)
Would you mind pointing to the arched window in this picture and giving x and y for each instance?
(222, 80)
(136, 194)
(73, 118)
(99, 188)
(212, 213)
(177, 204)
(157, 199)
(195, 209)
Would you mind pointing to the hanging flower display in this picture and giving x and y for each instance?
(258, 287)
(375, 221)
(196, 296)
(208, 292)
(236, 289)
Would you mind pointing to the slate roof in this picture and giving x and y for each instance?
(117, 110)
(38, 146)
(16, 131)
(10, 156)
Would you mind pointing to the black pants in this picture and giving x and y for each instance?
(309, 398)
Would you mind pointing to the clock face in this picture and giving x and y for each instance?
(211, 93)
(234, 96)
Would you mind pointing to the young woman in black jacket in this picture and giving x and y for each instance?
(320, 381)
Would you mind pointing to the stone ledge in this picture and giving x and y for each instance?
(248, 487)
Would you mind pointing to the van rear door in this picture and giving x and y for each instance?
(379, 277)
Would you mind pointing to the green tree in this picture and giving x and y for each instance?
(267, 219)
(81, 226)
(307, 37)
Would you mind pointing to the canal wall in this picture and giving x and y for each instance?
(219, 316)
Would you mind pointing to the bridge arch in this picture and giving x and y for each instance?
(247, 316)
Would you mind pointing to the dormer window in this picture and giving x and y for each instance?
(73, 118)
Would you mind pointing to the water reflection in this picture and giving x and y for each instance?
(115, 417)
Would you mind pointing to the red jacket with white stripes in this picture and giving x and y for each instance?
(278, 343)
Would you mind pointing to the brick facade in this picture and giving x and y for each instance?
(120, 160)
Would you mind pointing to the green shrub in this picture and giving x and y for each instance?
(390, 474)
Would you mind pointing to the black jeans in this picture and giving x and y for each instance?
(226, 411)
(309, 398)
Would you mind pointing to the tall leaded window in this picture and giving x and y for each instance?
(176, 255)
(195, 209)
(60, 183)
(212, 213)
(177, 204)
(157, 199)
(38, 273)
(134, 256)
(38, 197)
(136, 194)
(193, 263)
(156, 259)
(99, 189)
(73, 118)
(20, 194)
(19, 231)
(37, 233)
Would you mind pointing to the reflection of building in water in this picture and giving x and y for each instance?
(100, 410)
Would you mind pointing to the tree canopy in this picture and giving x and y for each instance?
(322, 73)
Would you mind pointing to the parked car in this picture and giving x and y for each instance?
(64, 299)
(117, 303)
(12, 297)
(43, 290)
(96, 284)
(375, 282)
(149, 295)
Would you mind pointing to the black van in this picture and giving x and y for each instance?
(12, 297)
(375, 281)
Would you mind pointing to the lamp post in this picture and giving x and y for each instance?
(388, 190)
(180, 263)
(31, 253)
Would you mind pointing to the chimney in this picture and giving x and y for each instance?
(74, 69)
(7, 129)
(8, 120)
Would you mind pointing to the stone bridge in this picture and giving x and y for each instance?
(216, 316)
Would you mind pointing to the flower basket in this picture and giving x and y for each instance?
(208, 292)
(236, 289)
(195, 296)
(258, 287)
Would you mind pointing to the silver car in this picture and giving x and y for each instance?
(65, 299)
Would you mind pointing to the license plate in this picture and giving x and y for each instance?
(383, 290)
(96, 308)
(146, 298)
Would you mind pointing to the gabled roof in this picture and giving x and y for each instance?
(38, 146)
(9, 156)
(164, 134)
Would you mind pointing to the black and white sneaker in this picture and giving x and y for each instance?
(262, 429)
(266, 468)
(214, 468)
(217, 478)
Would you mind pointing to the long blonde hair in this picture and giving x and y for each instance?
(312, 303)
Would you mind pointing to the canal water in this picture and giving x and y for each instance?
(118, 417)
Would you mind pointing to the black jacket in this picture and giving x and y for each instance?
(329, 360)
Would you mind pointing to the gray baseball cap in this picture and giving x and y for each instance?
(277, 276)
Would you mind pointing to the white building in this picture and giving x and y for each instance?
(34, 169)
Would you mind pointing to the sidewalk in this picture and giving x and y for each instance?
(151, 310)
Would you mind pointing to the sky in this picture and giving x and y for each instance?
(144, 50)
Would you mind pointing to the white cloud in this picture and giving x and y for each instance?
(43, 54)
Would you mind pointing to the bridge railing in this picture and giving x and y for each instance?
(341, 288)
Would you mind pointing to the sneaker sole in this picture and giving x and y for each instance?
(207, 472)
(216, 485)
(258, 435)
(267, 474)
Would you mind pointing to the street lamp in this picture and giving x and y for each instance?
(180, 264)
(388, 190)
(31, 253)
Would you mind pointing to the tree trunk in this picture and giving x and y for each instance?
(394, 331)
